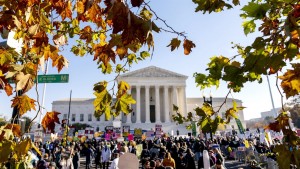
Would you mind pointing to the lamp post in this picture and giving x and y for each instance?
(209, 101)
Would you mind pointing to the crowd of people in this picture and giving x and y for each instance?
(157, 153)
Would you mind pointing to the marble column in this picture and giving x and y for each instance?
(175, 97)
(138, 104)
(184, 101)
(166, 98)
(128, 117)
(157, 105)
(147, 106)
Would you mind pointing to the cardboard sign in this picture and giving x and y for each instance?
(126, 131)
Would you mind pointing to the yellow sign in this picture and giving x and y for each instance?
(138, 132)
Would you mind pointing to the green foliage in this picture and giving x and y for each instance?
(205, 117)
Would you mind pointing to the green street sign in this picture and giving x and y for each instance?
(54, 78)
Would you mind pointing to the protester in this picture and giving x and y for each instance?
(169, 161)
(105, 156)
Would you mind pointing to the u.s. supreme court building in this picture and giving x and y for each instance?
(155, 91)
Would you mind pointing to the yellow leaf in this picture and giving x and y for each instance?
(80, 7)
(49, 120)
(15, 128)
(23, 147)
(6, 148)
(23, 103)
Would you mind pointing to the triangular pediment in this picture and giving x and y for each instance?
(153, 71)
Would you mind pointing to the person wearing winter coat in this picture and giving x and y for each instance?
(105, 156)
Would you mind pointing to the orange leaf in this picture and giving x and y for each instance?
(188, 45)
(49, 121)
(60, 62)
(67, 11)
(8, 89)
(80, 7)
(23, 103)
(16, 129)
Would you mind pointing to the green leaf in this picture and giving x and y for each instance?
(256, 10)
(145, 54)
(175, 108)
(175, 43)
(249, 27)
(204, 122)
(5, 57)
(146, 14)
(122, 104)
(200, 112)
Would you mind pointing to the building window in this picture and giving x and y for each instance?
(98, 118)
(73, 117)
(97, 129)
(90, 117)
(65, 116)
(81, 117)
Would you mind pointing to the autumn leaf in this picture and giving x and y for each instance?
(122, 88)
(209, 111)
(22, 148)
(60, 62)
(16, 129)
(49, 121)
(8, 89)
(80, 7)
(59, 40)
(291, 81)
(102, 101)
(122, 104)
(188, 45)
(23, 103)
(24, 82)
(175, 43)
(6, 148)
(66, 10)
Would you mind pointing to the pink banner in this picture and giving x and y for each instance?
(107, 136)
(130, 137)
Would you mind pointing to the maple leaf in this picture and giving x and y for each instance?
(23, 103)
(24, 82)
(8, 89)
(291, 81)
(175, 43)
(16, 129)
(60, 62)
(122, 104)
(22, 148)
(49, 121)
(122, 88)
(87, 34)
(50, 51)
(94, 13)
(102, 101)
(66, 10)
(188, 45)
(6, 148)
(41, 38)
(273, 126)
(5, 57)
(59, 40)
(104, 54)
(80, 7)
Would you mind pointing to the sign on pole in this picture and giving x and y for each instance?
(54, 78)
(158, 130)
